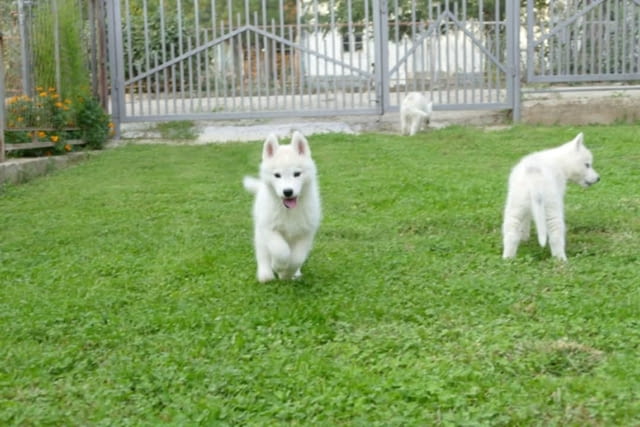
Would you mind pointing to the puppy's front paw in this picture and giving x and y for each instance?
(265, 276)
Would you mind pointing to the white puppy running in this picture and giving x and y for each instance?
(415, 113)
(536, 190)
(286, 210)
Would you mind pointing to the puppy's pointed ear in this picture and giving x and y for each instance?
(300, 144)
(579, 141)
(270, 146)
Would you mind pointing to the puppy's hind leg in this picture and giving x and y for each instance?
(510, 238)
(556, 230)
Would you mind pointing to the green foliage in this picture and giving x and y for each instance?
(48, 117)
(134, 301)
(66, 27)
(93, 121)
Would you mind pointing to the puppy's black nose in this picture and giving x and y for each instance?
(287, 193)
(598, 180)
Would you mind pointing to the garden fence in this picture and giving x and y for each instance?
(220, 59)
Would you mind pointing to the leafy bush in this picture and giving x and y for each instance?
(93, 121)
(48, 117)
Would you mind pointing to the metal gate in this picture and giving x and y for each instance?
(216, 59)
(578, 41)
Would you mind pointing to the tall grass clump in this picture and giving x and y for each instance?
(69, 64)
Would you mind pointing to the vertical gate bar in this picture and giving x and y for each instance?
(274, 67)
(2, 97)
(266, 50)
(381, 61)
(283, 56)
(583, 46)
(116, 67)
(132, 86)
(256, 43)
(447, 54)
(316, 35)
(156, 63)
(400, 51)
(530, 41)
(631, 67)
(189, 93)
(365, 86)
(600, 36)
(163, 48)
(483, 59)
(224, 68)
(241, 64)
(196, 14)
(247, 51)
(623, 32)
(465, 86)
(292, 70)
(456, 52)
(215, 57)
(352, 45)
(412, 67)
(333, 49)
(147, 54)
(616, 38)
(498, 52)
(299, 54)
(174, 83)
(232, 49)
(634, 67)
(207, 71)
(512, 17)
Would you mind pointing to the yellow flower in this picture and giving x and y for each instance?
(67, 147)
(52, 89)
(41, 134)
(59, 105)
(43, 94)
(55, 138)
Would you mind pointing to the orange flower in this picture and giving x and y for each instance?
(41, 134)
(55, 138)
(67, 147)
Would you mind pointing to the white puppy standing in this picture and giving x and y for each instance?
(415, 113)
(536, 191)
(286, 210)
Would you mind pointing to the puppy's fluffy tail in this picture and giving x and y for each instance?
(251, 184)
(539, 216)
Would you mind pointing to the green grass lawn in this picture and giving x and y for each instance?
(128, 291)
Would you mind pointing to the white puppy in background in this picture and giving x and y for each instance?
(536, 191)
(286, 210)
(415, 113)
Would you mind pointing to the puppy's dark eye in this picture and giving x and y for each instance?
(277, 175)
(297, 174)
(588, 165)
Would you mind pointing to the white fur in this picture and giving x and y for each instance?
(286, 210)
(536, 191)
(415, 113)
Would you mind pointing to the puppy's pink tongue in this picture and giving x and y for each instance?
(290, 203)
